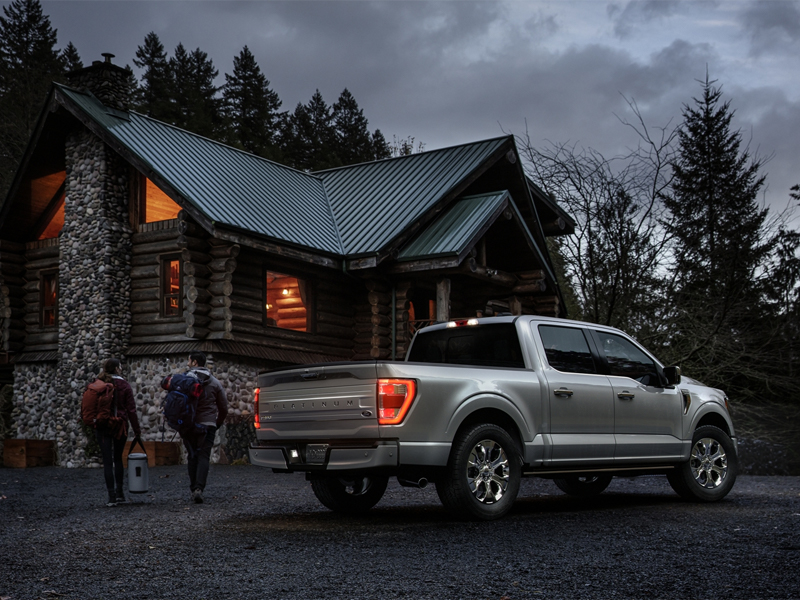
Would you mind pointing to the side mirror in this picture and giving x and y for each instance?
(673, 375)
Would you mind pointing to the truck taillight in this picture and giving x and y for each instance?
(256, 394)
(394, 399)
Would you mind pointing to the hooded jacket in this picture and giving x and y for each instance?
(212, 406)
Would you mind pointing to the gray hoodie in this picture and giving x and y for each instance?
(212, 407)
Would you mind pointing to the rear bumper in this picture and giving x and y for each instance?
(291, 456)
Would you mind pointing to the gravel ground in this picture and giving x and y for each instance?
(262, 535)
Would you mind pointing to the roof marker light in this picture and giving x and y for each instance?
(462, 322)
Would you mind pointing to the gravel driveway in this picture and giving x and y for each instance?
(262, 535)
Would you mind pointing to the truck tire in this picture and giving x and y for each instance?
(483, 474)
(350, 495)
(586, 486)
(710, 472)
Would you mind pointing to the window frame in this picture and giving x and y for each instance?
(309, 305)
(594, 334)
(163, 287)
(599, 366)
(54, 309)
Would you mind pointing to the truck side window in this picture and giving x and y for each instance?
(566, 349)
(626, 359)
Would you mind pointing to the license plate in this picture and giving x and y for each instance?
(315, 453)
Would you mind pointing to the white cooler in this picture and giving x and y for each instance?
(138, 476)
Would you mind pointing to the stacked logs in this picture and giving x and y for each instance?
(39, 256)
(147, 324)
(219, 288)
(184, 240)
(335, 312)
(12, 292)
(247, 296)
(373, 322)
(403, 332)
(329, 313)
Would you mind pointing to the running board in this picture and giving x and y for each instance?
(603, 470)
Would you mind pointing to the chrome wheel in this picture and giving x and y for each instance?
(709, 463)
(488, 471)
(711, 470)
(483, 474)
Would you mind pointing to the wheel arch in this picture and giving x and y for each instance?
(715, 419)
(490, 415)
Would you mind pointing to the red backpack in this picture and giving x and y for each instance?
(97, 405)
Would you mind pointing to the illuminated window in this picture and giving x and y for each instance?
(286, 302)
(48, 299)
(171, 286)
(47, 200)
(154, 204)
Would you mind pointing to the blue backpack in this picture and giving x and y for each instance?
(180, 405)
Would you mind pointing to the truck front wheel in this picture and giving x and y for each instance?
(350, 495)
(483, 474)
(710, 473)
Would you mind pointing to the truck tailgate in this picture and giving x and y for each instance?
(319, 402)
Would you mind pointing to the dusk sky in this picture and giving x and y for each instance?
(451, 72)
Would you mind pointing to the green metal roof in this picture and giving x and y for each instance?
(226, 185)
(375, 202)
(350, 211)
(454, 231)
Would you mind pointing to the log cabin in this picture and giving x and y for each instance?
(125, 236)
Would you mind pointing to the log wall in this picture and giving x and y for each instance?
(12, 293)
(39, 257)
(147, 325)
(328, 319)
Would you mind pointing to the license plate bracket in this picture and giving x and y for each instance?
(316, 453)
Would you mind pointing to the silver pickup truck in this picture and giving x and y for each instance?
(479, 404)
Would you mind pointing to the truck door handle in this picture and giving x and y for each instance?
(564, 392)
(626, 395)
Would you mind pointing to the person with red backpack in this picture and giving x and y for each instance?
(108, 406)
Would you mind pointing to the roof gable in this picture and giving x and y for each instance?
(228, 186)
(456, 230)
(375, 202)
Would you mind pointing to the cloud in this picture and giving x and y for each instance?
(638, 12)
(771, 25)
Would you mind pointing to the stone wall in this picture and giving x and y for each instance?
(237, 376)
(41, 412)
(94, 287)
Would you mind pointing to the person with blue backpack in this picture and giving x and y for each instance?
(209, 415)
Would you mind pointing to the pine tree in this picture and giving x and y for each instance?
(71, 58)
(251, 107)
(309, 137)
(154, 94)
(717, 222)
(29, 62)
(722, 246)
(354, 144)
(196, 104)
(380, 147)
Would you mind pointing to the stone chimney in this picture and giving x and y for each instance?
(109, 83)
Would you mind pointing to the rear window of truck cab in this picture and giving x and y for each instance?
(495, 345)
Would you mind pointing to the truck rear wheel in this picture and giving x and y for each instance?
(483, 474)
(350, 495)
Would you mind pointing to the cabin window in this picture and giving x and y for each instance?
(48, 299)
(287, 301)
(154, 204)
(171, 286)
(47, 199)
